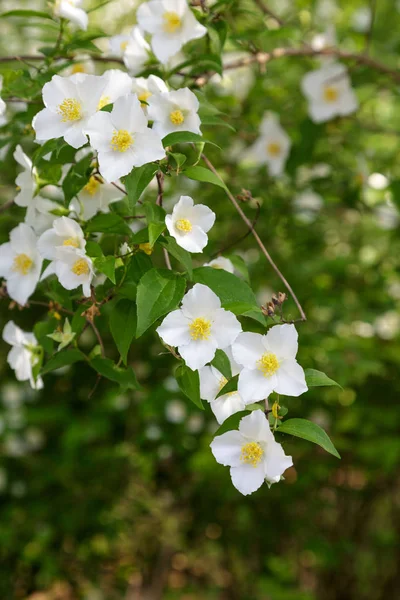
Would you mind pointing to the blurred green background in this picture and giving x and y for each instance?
(118, 496)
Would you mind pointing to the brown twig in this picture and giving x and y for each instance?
(256, 237)
(6, 206)
(167, 261)
(268, 12)
(242, 237)
(160, 184)
(39, 57)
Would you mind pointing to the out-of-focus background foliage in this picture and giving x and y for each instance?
(118, 496)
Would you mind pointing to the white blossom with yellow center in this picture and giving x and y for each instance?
(329, 93)
(20, 263)
(22, 356)
(73, 268)
(65, 233)
(199, 327)
(96, 196)
(171, 25)
(174, 111)
(190, 223)
(122, 139)
(212, 382)
(269, 364)
(272, 147)
(221, 263)
(145, 88)
(253, 455)
(71, 10)
(136, 52)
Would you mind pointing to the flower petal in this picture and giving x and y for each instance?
(290, 379)
(174, 330)
(248, 349)
(248, 479)
(198, 353)
(255, 426)
(282, 341)
(253, 386)
(226, 328)
(200, 301)
(227, 448)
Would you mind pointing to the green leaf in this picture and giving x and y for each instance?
(154, 213)
(234, 293)
(318, 378)
(155, 230)
(159, 291)
(27, 13)
(137, 181)
(123, 326)
(214, 121)
(106, 265)
(232, 422)
(61, 359)
(204, 175)
(181, 137)
(222, 363)
(182, 255)
(93, 249)
(178, 158)
(230, 386)
(108, 223)
(189, 384)
(240, 265)
(125, 377)
(76, 178)
(47, 148)
(307, 430)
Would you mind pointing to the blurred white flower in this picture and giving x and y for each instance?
(306, 205)
(190, 223)
(221, 263)
(123, 139)
(20, 263)
(272, 147)
(387, 326)
(136, 52)
(199, 327)
(83, 63)
(70, 9)
(252, 454)
(233, 81)
(171, 25)
(24, 355)
(3, 106)
(378, 181)
(96, 196)
(145, 87)
(361, 19)
(174, 111)
(329, 93)
(175, 411)
(387, 216)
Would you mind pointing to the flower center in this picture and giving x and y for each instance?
(268, 364)
(222, 383)
(251, 454)
(274, 149)
(146, 248)
(104, 100)
(121, 140)
(70, 110)
(172, 22)
(71, 242)
(331, 94)
(176, 117)
(92, 186)
(183, 225)
(200, 329)
(78, 68)
(144, 96)
(22, 264)
(123, 46)
(80, 267)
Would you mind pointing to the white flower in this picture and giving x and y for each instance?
(22, 356)
(269, 363)
(83, 63)
(199, 327)
(117, 84)
(361, 19)
(174, 111)
(69, 9)
(144, 88)
(252, 454)
(221, 263)
(73, 268)
(118, 44)
(20, 263)
(324, 41)
(95, 197)
(3, 105)
(272, 147)
(233, 82)
(190, 223)
(65, 233)
(136, 52)
(306, 205)
(212, 382)
(329, 93)
(38, 214)
(70, 102)
(171, 24)
(122, 139)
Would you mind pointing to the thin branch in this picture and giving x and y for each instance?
(160, 184)
(6, 206)
(119, 188)
(97, 334)
(242, 237)
(264, 9)
(39, 57)
(167, 261)
(368, 37)
(256, 237)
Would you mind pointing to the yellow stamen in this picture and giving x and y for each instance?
(78, 68)
(183, 225)
(274, 149)
(331, 94)
(121, 140)
(92, 186)
(71, 242)
(70, 109)
(104, 100)
(172, 22)
(251, 454)
(123, 46)
(200, 329)
(176, 117)
(22, 264)
(80, 267)
(144, 96)
(268, 364)
(222, 383)
(146, 248)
